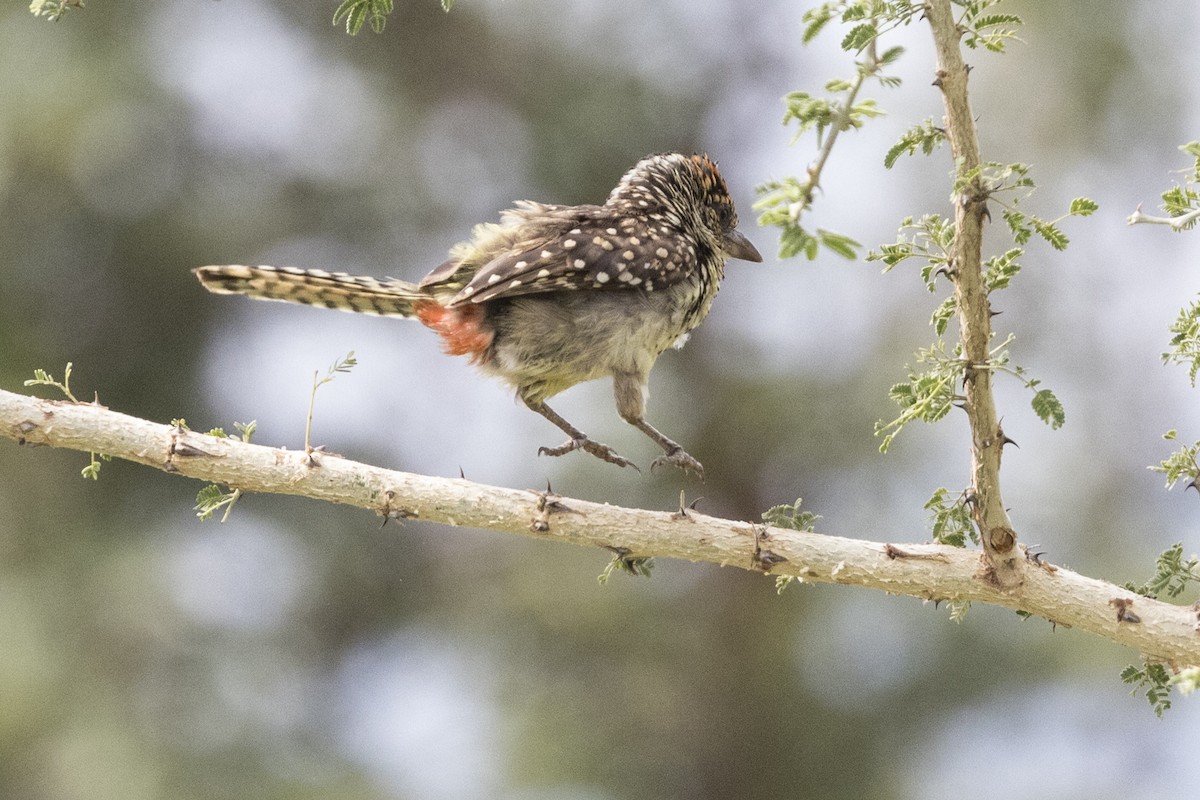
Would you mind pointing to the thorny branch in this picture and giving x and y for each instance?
(1158, 630)
(974, 309)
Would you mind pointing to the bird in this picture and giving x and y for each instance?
(555, 295)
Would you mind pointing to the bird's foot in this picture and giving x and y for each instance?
(678, 457)
(600, 451)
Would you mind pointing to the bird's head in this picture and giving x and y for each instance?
(687, 192)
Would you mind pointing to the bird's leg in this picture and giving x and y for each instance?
(578, 440)
(674, 456)
(630, 392)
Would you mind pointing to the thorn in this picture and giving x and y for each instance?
(558, 507)
(396, 514)
(766, 559)
(548, 503)
(1123, 606)
(994, 313)
(390, 513)
(1004, 439)
(1192, 485)
(986, 212)
(310, 455)
(461, 474)
(186, 450)
(685, 507)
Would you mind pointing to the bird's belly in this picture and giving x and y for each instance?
(554, 341)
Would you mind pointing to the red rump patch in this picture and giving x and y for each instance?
(462, 328)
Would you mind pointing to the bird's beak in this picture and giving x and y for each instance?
(736, 245)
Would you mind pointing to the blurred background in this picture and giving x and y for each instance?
(301, 651)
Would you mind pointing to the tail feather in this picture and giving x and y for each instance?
(358, 293)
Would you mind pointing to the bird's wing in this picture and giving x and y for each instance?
(583, 248)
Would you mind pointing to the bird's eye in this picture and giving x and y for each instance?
(725, 216)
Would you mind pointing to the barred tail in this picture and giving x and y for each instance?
(365, 295)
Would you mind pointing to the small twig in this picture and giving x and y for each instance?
(344, 365)
(1176, 223)
(837, 125)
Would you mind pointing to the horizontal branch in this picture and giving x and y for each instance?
(933, 572)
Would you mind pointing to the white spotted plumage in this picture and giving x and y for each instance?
(555, 295)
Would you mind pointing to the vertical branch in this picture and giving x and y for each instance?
(974, 309)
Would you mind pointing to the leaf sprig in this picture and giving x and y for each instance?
(951, 518)
(212, 498)
(1185, 344)
(791, 517)
(43, 378)
(1172, 574)
(1156, 681)
(1184, 463)
(926, 396)
(997, 180)
(340, 366)
(783, 202)
(925, 137)
(1183, 199)
(989, 31)
(355, 12)
(53, 10)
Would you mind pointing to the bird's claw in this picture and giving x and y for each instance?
(600, 451)
(681, 459)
